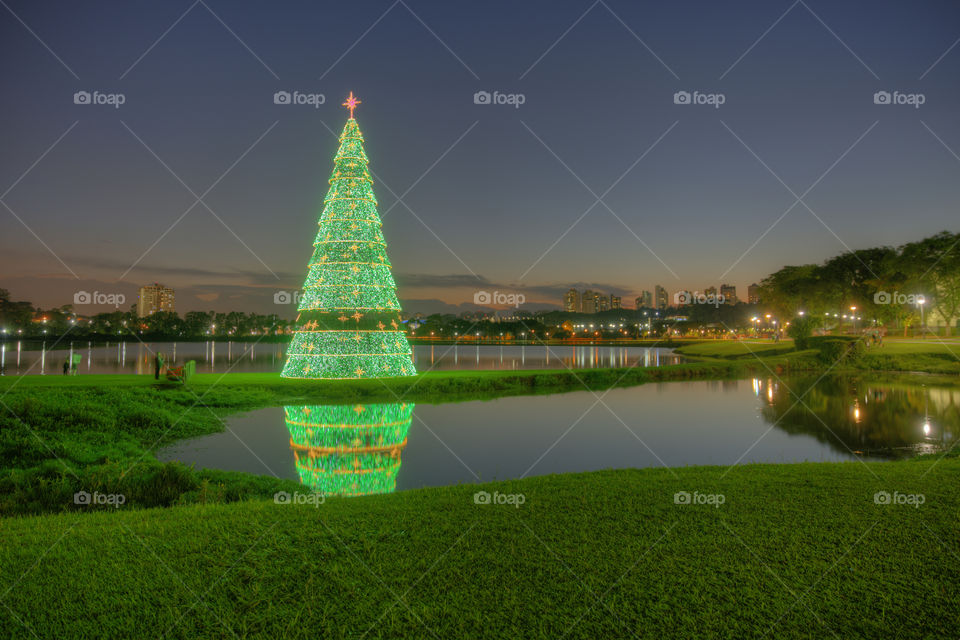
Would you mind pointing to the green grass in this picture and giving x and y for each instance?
(796, 551)
(930, 356)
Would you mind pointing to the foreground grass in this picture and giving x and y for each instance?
(797, 550)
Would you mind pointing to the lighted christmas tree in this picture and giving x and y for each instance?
(345, 450)
(349, 323)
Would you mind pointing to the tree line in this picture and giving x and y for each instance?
(891, 286)
(22, 318)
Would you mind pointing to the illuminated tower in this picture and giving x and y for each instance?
(349, 323)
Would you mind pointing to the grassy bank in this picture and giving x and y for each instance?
(794, 551)
(928, 356)
(60, 435)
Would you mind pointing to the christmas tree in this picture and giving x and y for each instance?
(349, 323)
(344, 450)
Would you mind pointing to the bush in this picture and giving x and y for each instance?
(800, 329)
(839, 350)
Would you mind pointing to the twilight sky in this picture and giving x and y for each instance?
(473, 196)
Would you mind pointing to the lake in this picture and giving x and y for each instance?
(223, 356)
(375, 448)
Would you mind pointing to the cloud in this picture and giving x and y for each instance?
(429, 306)
(476, 283)
(153, 271)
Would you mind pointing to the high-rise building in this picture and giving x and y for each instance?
(710, 291)
(661, 298)
(603, 302)
(615, 302)
(645, 300)
(571, 301)
(729, 293)
(152, 298)
(753, 293)
(588, 302)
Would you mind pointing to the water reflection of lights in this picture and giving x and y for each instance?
(758, 386)
(926, 428)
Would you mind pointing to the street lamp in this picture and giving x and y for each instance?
(921, 301)
(853, 318)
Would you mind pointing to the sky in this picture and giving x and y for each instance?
(588, 167)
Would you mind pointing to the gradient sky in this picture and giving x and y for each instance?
(493, 197)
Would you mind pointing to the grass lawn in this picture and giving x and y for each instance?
(794, 551)
(932, 356)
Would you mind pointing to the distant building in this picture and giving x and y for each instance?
(710, 291)
(571, 301)
(645, 300)
(661, 298)
(588, 302)
(729, 293)
(753, 293)
(615, 302)
(153, 298)
(603, 303)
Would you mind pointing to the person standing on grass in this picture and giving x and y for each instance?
(66, 367)
(157, 365)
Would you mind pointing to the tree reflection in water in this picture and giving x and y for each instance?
(349, 450)
(879, 419)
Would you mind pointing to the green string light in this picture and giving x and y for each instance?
(349, 323)
(344, 450)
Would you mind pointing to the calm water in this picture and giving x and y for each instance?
(222, 356)
(372, 448)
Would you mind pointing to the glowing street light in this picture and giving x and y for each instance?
(921, 301)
